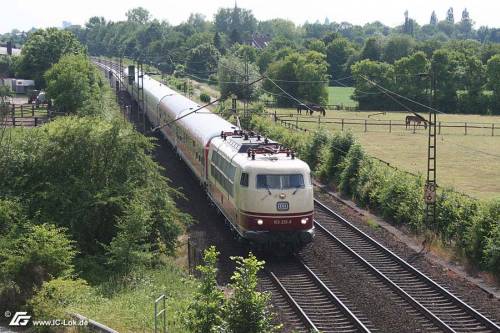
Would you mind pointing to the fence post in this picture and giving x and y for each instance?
(390, 126)
(297, 122)
(439, 128)
(189, 256)
(366, 129)
(415, 127)
(492, 129)
(465, 128)
(36, 121)
(275, 117)
(319, 122)
(32, 110)
(342, 124)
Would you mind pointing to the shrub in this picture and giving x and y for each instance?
(205, 98)
(337, 150)
(350, 167)
(313, 155)
(248, 310)
(30, 256)
(206, 312)
(55, 299)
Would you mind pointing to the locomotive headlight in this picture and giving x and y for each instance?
(260, 222)
(304, 220)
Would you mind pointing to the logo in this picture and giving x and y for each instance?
(282, 205)
(20, 319)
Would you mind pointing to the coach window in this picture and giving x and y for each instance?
(244, 179)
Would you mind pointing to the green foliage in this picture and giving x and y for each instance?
(205, 314)
(337, 150)
(247, 311)
(202, 60)
(92, 176)
(338, 53)
(292, 71)
(348, 179)
(319, 140)
(397, 47)
(368, 96)
(75, 85)
(7, 65)
(232, 79)
(205, 98)
(29, 255)
(57, 297)
(5, 93)
(44, 48)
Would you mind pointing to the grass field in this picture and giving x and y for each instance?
(341, 96)
(470, 163)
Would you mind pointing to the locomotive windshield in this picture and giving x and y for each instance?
(280, 181)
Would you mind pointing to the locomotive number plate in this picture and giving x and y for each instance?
(282, 205)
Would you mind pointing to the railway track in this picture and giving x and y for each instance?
(307, 302)
(438, 306)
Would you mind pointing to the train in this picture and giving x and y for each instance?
(262, 188)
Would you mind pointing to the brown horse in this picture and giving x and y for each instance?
(309, 108)
(416, 120)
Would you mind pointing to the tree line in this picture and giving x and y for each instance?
(305, 59)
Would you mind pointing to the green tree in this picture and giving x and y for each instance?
(434, 20)
(248, 311)
(238, 23)
(372, 50)
(338, 53)
(493, 73)
(138, 15)
(206, 313)
(444, 65)
(232, 79)
(450, 18)
(316, 45)
(43, 49)
(75, 86)
(369, 96)
(409, 79)
(202, 60)
(304, 76)
(398, 47)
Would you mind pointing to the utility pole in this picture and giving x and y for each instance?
(246, 112)
(430, 184)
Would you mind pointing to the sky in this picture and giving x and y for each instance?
(24, 14)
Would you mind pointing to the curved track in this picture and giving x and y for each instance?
(446, 311)
(302, 292)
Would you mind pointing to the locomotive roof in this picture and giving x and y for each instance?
(236, 147)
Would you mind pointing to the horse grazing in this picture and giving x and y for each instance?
(416, 120)
(310, 107)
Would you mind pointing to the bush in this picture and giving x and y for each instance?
(312, 156)
(205, 98)
(29, 257)
(338, 148)
(248, 310)
(351, 166)
(57, 298)
(206, 312)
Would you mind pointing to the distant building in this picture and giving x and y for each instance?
(258, 41)
(18, 86)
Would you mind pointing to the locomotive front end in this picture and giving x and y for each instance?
(276, 203)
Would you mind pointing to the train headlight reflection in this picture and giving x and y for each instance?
(304, 220)
(260, 222)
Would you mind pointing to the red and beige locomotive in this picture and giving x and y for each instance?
(261, 188)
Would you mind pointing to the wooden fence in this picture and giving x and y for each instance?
(25, 115)
(304, 123)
